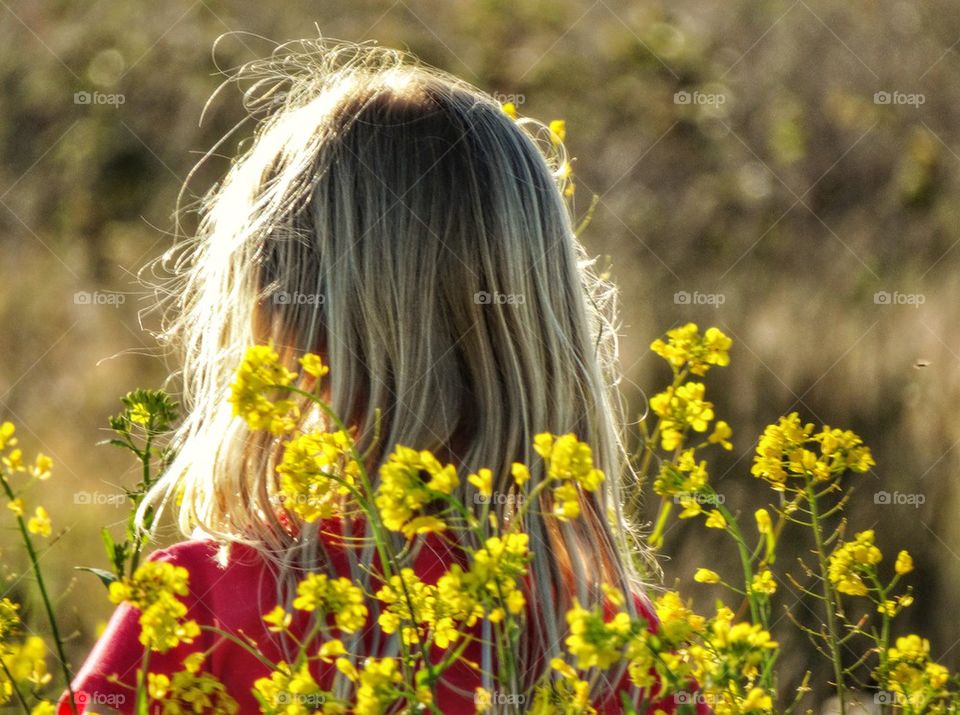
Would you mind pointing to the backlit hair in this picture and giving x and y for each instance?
(395, 220)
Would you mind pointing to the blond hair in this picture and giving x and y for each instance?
(395, 220)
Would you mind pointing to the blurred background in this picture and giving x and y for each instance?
(784, 170)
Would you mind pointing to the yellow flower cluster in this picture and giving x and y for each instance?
(595, 642)
(680, 409)
(24, 663)
(851, 561)
(915, 679)
(569, 462)
(259, 377)
(377, 684)
(790, 448)
(340, 597)
(410, 481)
(190, 691)
(685, 346)
(153, 590)
(316, 473)
(293, 691)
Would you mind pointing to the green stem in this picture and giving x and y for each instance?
(41, 585)
(830, 599)
(13, 685)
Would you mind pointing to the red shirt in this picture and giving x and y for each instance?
(233, 598)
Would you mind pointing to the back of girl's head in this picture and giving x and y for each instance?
(395, 220)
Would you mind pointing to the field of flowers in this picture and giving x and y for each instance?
(727, 658)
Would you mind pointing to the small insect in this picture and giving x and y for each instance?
(919, 364)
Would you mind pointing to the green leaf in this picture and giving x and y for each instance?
(106, 577)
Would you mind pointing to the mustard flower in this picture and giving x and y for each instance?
(850, 561)
(340, 597)
(259, 376)
(685, 346)
(316, 472)
(153, 590)
(410, 481)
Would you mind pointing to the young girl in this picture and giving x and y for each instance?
(397, 222)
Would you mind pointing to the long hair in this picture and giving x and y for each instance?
(395, 220)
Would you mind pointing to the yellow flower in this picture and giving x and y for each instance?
(7, 430)
(721, 435)
(16, 506)
(40, 523)
(568, 459)
(278, 619)
(153, 589)
(313, 365)
(757, 699)
(596, 642)
(558, 131)
(904, 564)
(685, 345)
(260, 375)
(14, 461)
(483, 481)
(706, 576)
(850, 561)
(409, 482)
(764, 582)
(764, 526)
(377, 682)
(44, 707)
(716, 520)
(316, 473)
(340, 597)
(566, 502)
(520, 473)
(483, 700)
(292, 692)
(679, 409)
(42, 467)
(330, 649)
(510, 109)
